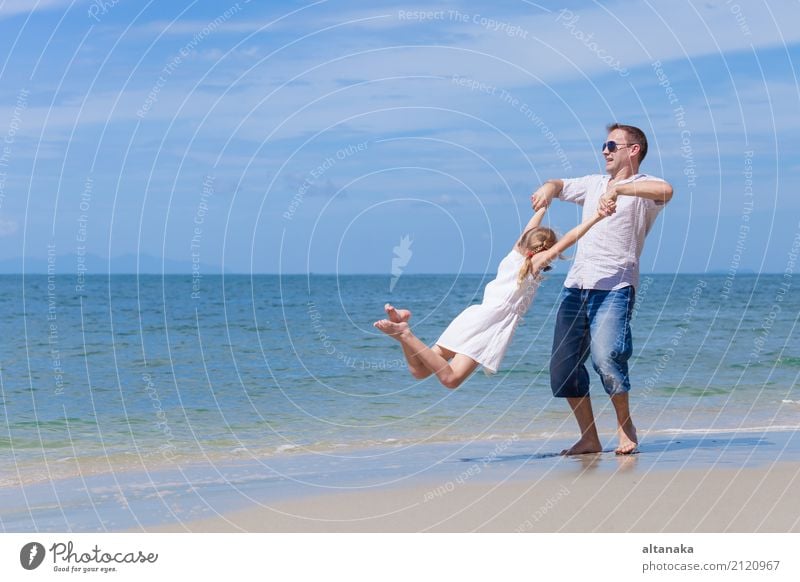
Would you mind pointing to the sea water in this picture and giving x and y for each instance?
(142, 373)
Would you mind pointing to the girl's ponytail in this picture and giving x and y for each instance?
(527, 264)
(531, 242)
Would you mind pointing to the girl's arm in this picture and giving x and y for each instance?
(535, 221)
(544, 258)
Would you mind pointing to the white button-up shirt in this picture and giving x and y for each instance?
(608, 255)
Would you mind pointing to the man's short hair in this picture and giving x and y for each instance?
(634, 133)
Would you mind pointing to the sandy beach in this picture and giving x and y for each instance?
(745, 481)
(666, 488)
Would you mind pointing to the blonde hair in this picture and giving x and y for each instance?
(534, 241)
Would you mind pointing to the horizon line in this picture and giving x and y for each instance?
(329, 274)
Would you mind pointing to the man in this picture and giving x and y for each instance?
(599, 291)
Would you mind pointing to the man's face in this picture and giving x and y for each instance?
(621, 158)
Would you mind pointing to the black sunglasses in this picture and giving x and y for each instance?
(612, 146)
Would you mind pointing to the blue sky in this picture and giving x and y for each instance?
(300, 137)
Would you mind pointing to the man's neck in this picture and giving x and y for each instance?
(624, 174)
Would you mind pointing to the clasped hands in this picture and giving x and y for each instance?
(540, 200)
(608, 201)
(606, 206)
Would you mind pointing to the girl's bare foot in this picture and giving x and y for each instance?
(392, 329)
(397, 315)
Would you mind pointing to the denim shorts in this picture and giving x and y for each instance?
(591, 321)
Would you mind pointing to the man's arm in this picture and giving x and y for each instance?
(656, 190)
(545, 194)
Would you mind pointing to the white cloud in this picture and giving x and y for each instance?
(7, 227)
(10, 8)
(636, 33)
(560, 45)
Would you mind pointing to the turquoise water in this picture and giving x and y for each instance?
(167, 368)
(160, 399)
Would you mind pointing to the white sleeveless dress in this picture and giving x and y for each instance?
(483, 332)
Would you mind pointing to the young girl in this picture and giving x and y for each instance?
(481, 333)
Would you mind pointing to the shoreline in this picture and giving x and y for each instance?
(733, 482)
(713, 483)
(441, 480)
(62, 468)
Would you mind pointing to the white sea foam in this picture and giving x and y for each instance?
(749, 429)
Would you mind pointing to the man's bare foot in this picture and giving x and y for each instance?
(584, 447)
(392, 329)
(396, 315)
(628, 442)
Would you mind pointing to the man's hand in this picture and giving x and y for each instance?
(545, 194)
(608, 201)
(540, 199)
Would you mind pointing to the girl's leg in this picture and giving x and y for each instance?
(450, 374)
(416, 366)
